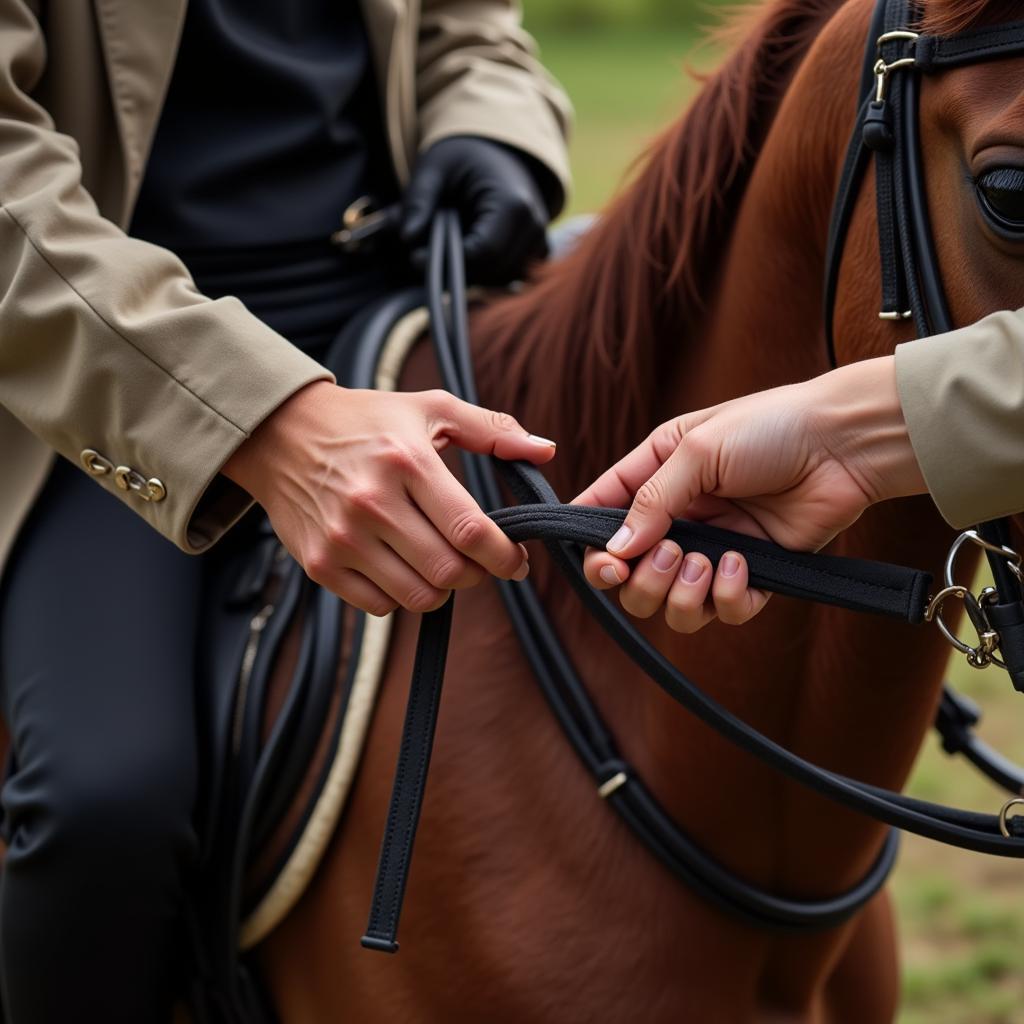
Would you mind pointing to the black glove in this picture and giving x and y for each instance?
(499, 195)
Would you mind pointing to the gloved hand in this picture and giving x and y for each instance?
(499, 198)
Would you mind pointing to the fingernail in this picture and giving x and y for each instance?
(522, 572)
(620, 540)
(665, 557)
(537, 439)
(730, 565)
(524, 552)
(609, 575)
(693, 569)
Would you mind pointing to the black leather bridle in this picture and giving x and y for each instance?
(886, 127)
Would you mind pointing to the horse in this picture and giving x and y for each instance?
(529, 901)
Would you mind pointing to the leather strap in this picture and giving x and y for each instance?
(955, 721)
(906, 248)
(846, 582)
(956, 827)
(410, 780)
(938, 53)
(853, 583)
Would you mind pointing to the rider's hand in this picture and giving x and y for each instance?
(497, 191)
(795, 464)
(355, 487)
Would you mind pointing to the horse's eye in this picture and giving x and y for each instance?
(1001, 192)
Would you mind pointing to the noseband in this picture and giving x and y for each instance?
(886, 128)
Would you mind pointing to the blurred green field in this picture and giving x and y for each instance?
(961, 917)
(625, 85)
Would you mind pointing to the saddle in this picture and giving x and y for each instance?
(287, 679)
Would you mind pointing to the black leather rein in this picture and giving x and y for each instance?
(891, 590)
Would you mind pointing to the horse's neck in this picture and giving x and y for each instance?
(852, 692)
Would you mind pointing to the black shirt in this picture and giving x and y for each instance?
(271, 127)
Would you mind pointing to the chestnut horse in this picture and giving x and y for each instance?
(529, 901)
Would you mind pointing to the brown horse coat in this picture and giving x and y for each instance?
(529, 901)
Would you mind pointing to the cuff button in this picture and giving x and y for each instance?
(129, 479)
(156, 489)
(95, 463)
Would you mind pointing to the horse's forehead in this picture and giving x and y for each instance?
(983, 104)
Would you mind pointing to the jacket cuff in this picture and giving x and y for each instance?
(272, 370)
(187, 426)
(219, 503)
(962, 395)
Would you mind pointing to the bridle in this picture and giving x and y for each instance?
(888, 130)
(886, 127)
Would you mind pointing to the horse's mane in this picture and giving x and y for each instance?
(590, 334)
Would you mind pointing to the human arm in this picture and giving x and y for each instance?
(962, 394)
(105, 344)
(795, 464)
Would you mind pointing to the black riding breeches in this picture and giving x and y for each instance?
(97, 625)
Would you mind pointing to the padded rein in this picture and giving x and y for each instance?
(890, 590)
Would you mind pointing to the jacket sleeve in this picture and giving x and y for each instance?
(477, 73)
(963, 398)
(105, 343)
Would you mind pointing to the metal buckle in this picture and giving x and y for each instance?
(983, 653)
(362, 220)
(883, 69)
(1004, 821)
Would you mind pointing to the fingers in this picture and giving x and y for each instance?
(420, 203)
(505, 235)
(487, 432)
(616, 486)
(651, 579)
(690, 591)
(672, 487)
(355, 589)
(416, 540)
(458, 518)
(735, 601)
(604, 570)
(658, 479)
(378, 567)
(687, 608)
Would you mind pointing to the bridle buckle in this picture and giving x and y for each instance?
(982, 654)
(883, 68)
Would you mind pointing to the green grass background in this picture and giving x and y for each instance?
(961, 915)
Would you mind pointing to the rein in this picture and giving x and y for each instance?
(856, 584)
(886, 129)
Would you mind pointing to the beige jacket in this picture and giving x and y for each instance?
(108, 354)
(963, 397)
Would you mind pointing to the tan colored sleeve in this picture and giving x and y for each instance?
(963, 397)
(105, 343)
(477, 73)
